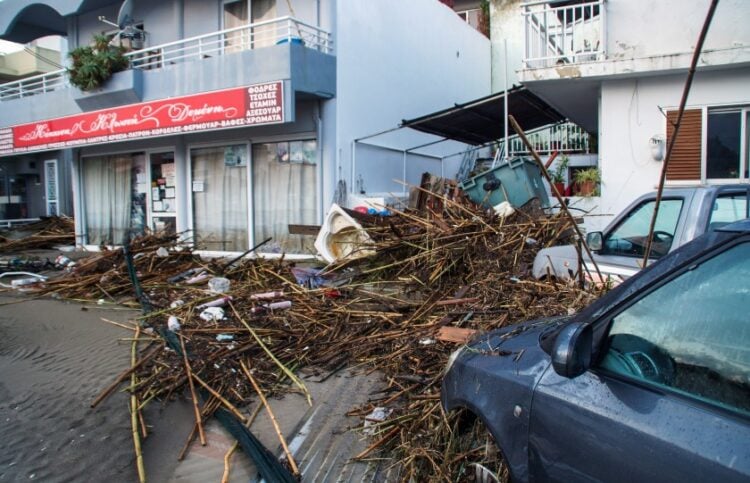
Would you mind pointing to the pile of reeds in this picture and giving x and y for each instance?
(462, 268)
(48, 232)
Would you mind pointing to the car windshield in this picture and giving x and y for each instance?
(630, 236)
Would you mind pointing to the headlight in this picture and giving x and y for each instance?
(452, 359)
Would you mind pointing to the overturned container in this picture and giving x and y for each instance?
(518, 181)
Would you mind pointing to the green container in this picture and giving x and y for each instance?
(517, 181)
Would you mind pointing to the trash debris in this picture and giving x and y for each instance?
(341, 237)
(431, 279)
(48, 232)
(162, 252)
(173, 323)
(212, 314)
(503, 209)
(219, 285)
(220, 302)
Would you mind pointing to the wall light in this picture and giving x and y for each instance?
(657, 143)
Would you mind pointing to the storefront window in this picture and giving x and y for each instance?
(285, 192)
(219, 186)
(114, 199)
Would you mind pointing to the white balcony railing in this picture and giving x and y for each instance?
(564, 138)
(251, 36)
(563, 35)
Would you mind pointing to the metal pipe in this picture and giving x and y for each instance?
(670, 147)
(505, 103)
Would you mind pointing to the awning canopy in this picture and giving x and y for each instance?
(482, 120)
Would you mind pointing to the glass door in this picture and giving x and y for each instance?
(162, 190)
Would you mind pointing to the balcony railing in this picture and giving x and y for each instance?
(564, 35)
(564, 138)
(251, 36)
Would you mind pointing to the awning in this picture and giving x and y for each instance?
(482, 120)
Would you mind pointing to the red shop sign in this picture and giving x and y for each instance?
(243, 106)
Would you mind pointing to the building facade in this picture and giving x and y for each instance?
(235, 119)
(617, 68)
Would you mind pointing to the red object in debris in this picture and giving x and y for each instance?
(332, 294)
(361, 209)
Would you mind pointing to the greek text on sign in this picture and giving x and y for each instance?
(243, 106)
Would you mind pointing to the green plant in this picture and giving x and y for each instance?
(590, 174)
(93, 65)
(558, 174)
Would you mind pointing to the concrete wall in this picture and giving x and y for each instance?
(630, 116)
(399, 60)
(643, 28)
(506, 25)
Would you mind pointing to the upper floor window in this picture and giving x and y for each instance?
(726, 134)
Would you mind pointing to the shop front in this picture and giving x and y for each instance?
(223, 170)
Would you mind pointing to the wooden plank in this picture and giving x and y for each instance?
(307, 230)
(455, 334)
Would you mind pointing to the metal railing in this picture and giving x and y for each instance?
(564, 138)
(8, 223)
(564, 35)
(251, 36)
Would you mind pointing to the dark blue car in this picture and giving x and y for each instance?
(649, 383)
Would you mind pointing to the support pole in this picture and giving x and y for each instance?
(670, 147)
(560, 200)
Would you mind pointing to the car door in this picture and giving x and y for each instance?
(623, 246)
(669, 397)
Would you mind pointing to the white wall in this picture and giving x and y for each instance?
(398, 60)
(506, 24)
(642, 28)
(630, 116)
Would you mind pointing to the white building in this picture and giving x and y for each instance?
(618, 67)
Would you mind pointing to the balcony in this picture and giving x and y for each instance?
(569, 34)
(282, 32)
(566, 138)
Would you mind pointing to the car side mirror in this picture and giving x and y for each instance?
(571, 354)
(594, 240)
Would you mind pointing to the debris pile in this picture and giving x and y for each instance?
(437, 276)
(48, 232)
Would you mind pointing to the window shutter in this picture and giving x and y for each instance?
(685, 163)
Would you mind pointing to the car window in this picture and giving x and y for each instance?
(691, 334)
(727, 209)
(629, 237)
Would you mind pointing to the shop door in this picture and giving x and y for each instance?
(220, 202)
(162, 189)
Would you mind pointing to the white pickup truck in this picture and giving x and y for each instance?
(684, 214)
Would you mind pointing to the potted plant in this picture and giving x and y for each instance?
(93, 65)
(558, 175)
(588, 181)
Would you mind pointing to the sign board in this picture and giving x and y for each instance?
(253, 105)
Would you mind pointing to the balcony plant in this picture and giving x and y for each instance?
(558, 174)
(588, 181)
(93, 64)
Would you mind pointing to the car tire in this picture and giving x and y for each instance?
(483, 461)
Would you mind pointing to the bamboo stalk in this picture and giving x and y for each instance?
(196, 409)
(134, 412)
(221, 398)
(276, 427)
(227, 462)
(289, 373)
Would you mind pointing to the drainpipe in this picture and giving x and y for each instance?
(353, 164)
(505, 104)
